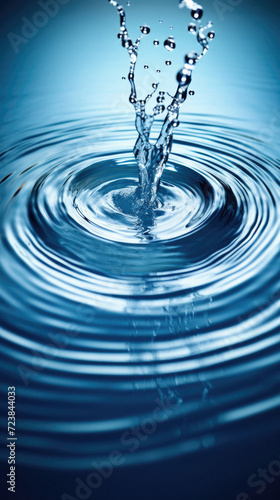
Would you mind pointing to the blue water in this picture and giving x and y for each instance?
(109, 312)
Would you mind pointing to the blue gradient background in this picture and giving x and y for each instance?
(75, 61)
(75, 65)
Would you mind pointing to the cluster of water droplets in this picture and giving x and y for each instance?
(152, 158)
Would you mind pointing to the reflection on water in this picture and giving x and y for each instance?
(105, 303)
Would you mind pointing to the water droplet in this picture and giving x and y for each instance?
(197, 13)
(211, 35)
(183, 77)
(169, 43)
(191, 58)
(156, 42)
(168, 63)
(146, 66)
(201, 38)
(192, 28)
(191, 92)
(145, 29)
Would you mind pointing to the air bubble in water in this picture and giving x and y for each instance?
(160, 21)
(160, 99)
(192, 28)
(191, 92)
(197, 13)
(154, 85)
(168, 63)
(146, 66)
(169, 43)
(158, 71)
(145, 30)
(156, 42)
(128, 4)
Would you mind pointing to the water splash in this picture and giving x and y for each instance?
(152, 158)
(98, 309)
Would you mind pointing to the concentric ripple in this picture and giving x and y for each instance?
(106, 300)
